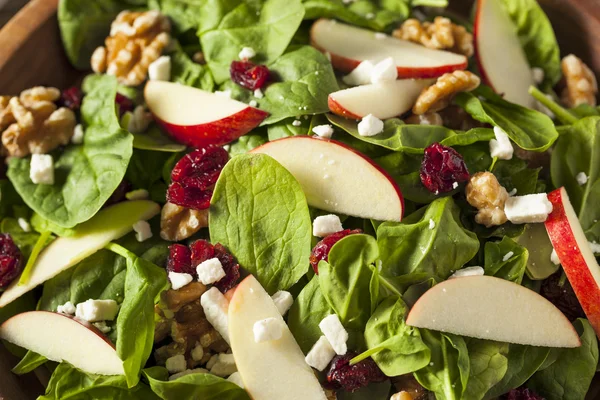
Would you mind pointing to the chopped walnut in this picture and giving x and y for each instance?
(425, 119)
(174, 300)
(32, 123)
(401, 396)
(485, 193)
(581, 85)
(162, 353)
(441, 34)
(178, 223)
(409, 385)
(439, 95)
(136, 40)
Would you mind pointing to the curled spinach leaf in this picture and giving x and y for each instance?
(506, 259)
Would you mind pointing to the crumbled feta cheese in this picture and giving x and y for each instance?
(143, 231)
(508, 256)
(224, 366)
(595, 247)
(97, 310)
(380, 36)
(139, 120)
(41, 170)
(283, 301)
(554, 258)
(297, 122)
(528, 209)
(138, 194)
(224, 93)
(370, 126)
(253, 103)
(236, 378)
(581, 178)
(197, 352)
(176, 364)
(212, 361)
(361, 75)
(468, 271)
(335, 333)
(179, 279)
(512, 192)
(102, 327)
(320, 355)
(325, 225)
(160, 70)
(215, 307)
(501, 146)
(188, 372)
(538, 75)
(454, 185)
(67, 308)
(210, 271)
(267, 329)
(431, 224)
(77, 137)
(24, 225)
(384, 71)
(246, 53)
(258, 94)
(324, 131)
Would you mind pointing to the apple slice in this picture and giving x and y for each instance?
(198, 118)
(109, 224)
(575, 255)
(383, 100)
(348, 46)
(59, 337)
(499, 54)
(273, 369)
(338, 179)
(491, 308)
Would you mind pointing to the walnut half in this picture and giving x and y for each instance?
(178, 223)
(441, 34)
(485, 193)
(582, 86)
(439, 95)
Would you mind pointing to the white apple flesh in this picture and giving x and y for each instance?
(59, 338)
(382, 100)
(107, 225)
(273, 369)
(348, 46)
(491, 308)
(338, 179)
(575, 255)
(499, 54)
(198, 118)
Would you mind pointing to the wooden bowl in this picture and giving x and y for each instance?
(32, 54)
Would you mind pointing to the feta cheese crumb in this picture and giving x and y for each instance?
(253, 103)
(77, 137)
(531, 208)
(595, 247)
(138, 194)
(215, 307)
(361, 75)
(320, 355)
(67, 308)
(41, 170)
(297, 122)
(384, 71)
(179, 279)
(283, 301)
(139, 120)
(102, 327)
(335, 333)
(538, 75)
(501, 146)
(143, 231)
(454, 185)
(246, 53)
(468, 271)
(224, 366)
(325, 225)
(258, 94)
(554, 258)
(508, 256)
(512, 192)
(324, 131)
(160, 70)
(210, 271)
(188, 372)
(267, 329)
(236, 378)
(370, 126)
(176, 364)
(431, 224)
(197, 352)
(581, 178)
(24, 225)
(380, 36)
(212, 361)
(97, 310)
(224, 93)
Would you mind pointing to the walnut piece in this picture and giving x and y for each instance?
(485, 193)
(581, 85)
(442, 34)
(136, 40)
(409, 385)
(178, 223)
(439, 95)
(401, 396)
(32, 123)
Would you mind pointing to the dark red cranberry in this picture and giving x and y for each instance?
(248, 74)
(342, 375)
(71, 98)
(119, 193)
(442, 169)
(322, 248)
(523, 393)
(179, 260)
(202, 250)
(11, 260)
(560, 293)
(125, 104)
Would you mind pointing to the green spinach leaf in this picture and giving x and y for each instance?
(194, 14)
(28, 363)
(246, 143)
(506, 259)
(25, 241)
(488, 364)
(189, 73)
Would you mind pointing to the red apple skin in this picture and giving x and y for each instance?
(215, 133)
(337, 109)
(476, 30)
(578, 272)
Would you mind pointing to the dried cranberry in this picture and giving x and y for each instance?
(248, 74)
(119, 193)
(561, 294)
(523, 394)
(201, 250)
(180, 260)
(442, 169)
(71, 98)
(194, 176)
(352, 377)
(125, 104)
(321, 249)
(11, 260)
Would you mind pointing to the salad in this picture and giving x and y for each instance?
(317, 199)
